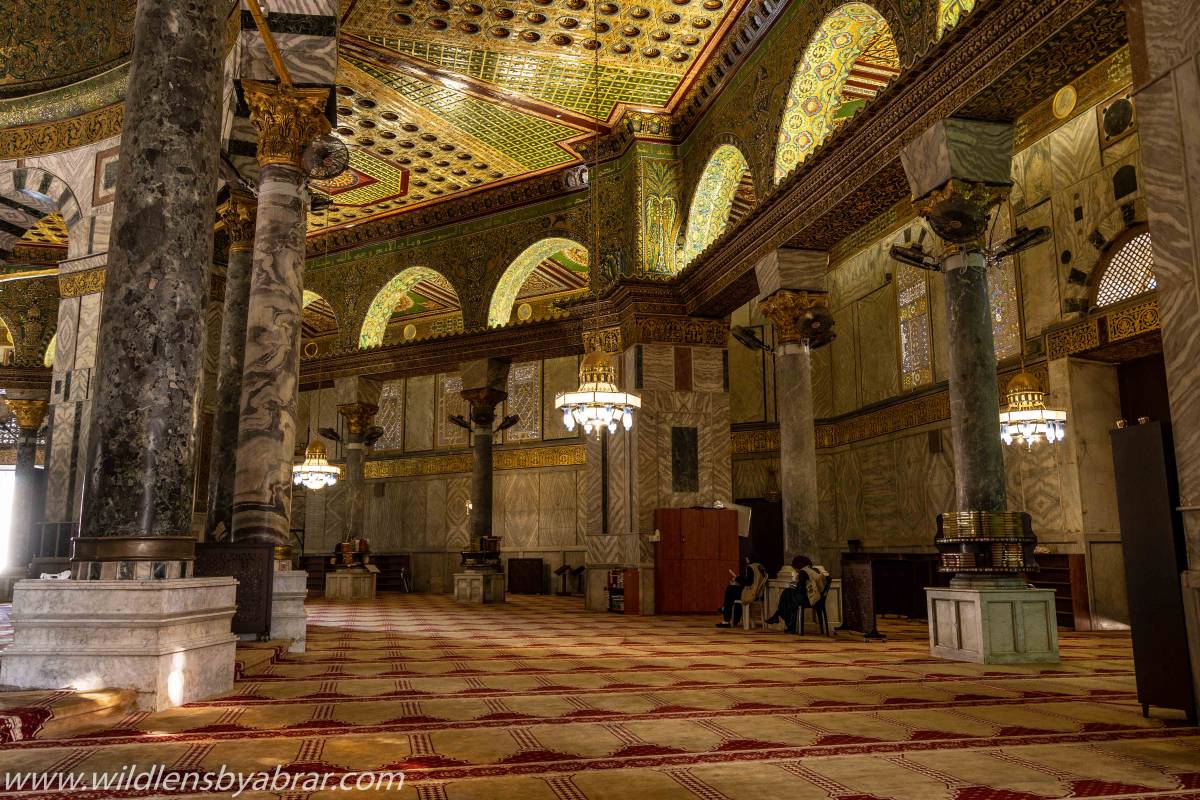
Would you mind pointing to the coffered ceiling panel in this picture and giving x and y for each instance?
(49, 43)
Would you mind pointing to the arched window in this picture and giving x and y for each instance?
(547, 270)
(1129, 271)
(418, 296)
(912, 299)
(1002, 291)
(950, 12)
(318, 323)
(849, 59)
(724, 193)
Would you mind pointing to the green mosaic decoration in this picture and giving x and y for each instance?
(713, 200)
(518, 272)
(393, 294)
(816, 91)
(950, 12)
(660, 215)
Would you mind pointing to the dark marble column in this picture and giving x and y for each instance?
(137, 500)
(238, 217)
(358, 420)
(286, 119)
(483, 416)
(974, 396)
(23, 526)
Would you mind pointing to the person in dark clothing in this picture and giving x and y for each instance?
(810, 583)
(747, 583)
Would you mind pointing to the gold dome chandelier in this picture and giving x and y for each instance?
(1026, 420)
(315, 472)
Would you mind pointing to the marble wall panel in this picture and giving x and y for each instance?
(751, 477)
(822, 382)
(419, 412)
(914, 517)
(937, 331)
(557, 501)
(58, 474)
(844, 359)
(1041, 302)
(658, 367)
(878, 346)
(458, 494)
(747, 382)
(515, 508)
(708, 369)
(879, 494)
(1032, 182)
(1074, 151)
(558, 375)
(65, 340)
(88, 330)
(847, 480)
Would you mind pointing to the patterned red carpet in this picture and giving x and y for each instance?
(541, 699)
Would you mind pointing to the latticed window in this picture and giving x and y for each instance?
(913, 296)
(1002, 293)
(1129, 272)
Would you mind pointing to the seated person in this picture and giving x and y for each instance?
(805, 592)
(744, 587)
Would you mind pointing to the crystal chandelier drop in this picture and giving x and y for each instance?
(597, 403)
(1026, 420)
(316, 472)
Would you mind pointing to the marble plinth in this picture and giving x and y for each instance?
(289, 620)
(168, 640)
(833, 601)
(993, 626)
(479, 587)
(349, 585)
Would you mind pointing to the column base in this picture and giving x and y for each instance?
(479, 587)
(169, 640)
(993, 626)
(289, 620)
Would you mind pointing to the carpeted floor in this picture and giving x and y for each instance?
(541, 699)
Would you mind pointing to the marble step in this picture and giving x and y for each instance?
(253, 657)
(56, 714)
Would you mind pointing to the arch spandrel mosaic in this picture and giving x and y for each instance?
(713, 200)
(398, 295)
(515, 282)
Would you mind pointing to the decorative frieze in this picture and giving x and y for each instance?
(524, 458)
(1112, 324)
(77, 284)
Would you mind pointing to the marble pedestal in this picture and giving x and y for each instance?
(168, 640)
(833, 602)
(8, 580)
(993, 626)
(289, 620)
(349, 585)
(479, 587)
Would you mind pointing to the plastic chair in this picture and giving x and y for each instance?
(818, 611)
(748, 608)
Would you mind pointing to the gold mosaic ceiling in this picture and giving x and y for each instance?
(45, 44)
(463, 95)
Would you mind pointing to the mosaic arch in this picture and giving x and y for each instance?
(29, 195)
(950, 12)
(393, 295)
(849, 59)
(522, 267)
(713, 200)
(48, 359)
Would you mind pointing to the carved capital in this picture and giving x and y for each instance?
(286, 119)
(793, 312)
(238, 216)
(358, 416)
(483, 403)
(30, 414)
(958, 211)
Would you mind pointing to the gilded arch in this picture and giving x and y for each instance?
(395, 292)
(849, 34)
(950, 12)
(518, 272)
(712, 207)
(30, 194)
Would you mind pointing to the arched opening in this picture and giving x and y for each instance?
(849, 59)
(39, 211)
(724, 194)
(546, 271)
(48, 359)
(8, 346)
(417, 303)
(318, 325)
(1128, 270)
(950, 12)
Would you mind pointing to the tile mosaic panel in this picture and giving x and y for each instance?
(525, 400)
(391, 416)
(450, 402)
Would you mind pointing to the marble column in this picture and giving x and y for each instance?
(137, 500)
(790, 295)
(358, 403)
(483, 388)
(286, 119)
(238, 217)
(23, 525)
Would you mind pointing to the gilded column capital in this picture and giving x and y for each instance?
(800, 316)
(483, 403)
(358, 416)
(238, 215)
(30, 414)
(958, 211)
(286, 119)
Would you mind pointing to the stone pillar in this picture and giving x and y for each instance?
(959, 171)
(1165, 50)
(358, 402)
(484, 385)
(287, 119)
(238, 216)
(23, 526)
(135, 619)
(791, 296)
(137, 502)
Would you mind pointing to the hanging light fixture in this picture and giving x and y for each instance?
(598, 404)
(1026, 420)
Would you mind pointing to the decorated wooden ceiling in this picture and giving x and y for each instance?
(462, 94)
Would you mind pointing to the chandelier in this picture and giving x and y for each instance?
(1026, 420)
(597, 403)
(315, 472)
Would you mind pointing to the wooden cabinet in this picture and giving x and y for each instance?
(1066, 574)
(697, 550)
(395, 571)
(525, 576)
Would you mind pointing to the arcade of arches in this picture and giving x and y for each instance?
(892, 305)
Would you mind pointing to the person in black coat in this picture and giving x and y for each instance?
(730, 613)
(794, 597)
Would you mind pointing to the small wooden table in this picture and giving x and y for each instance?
(350, 584)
